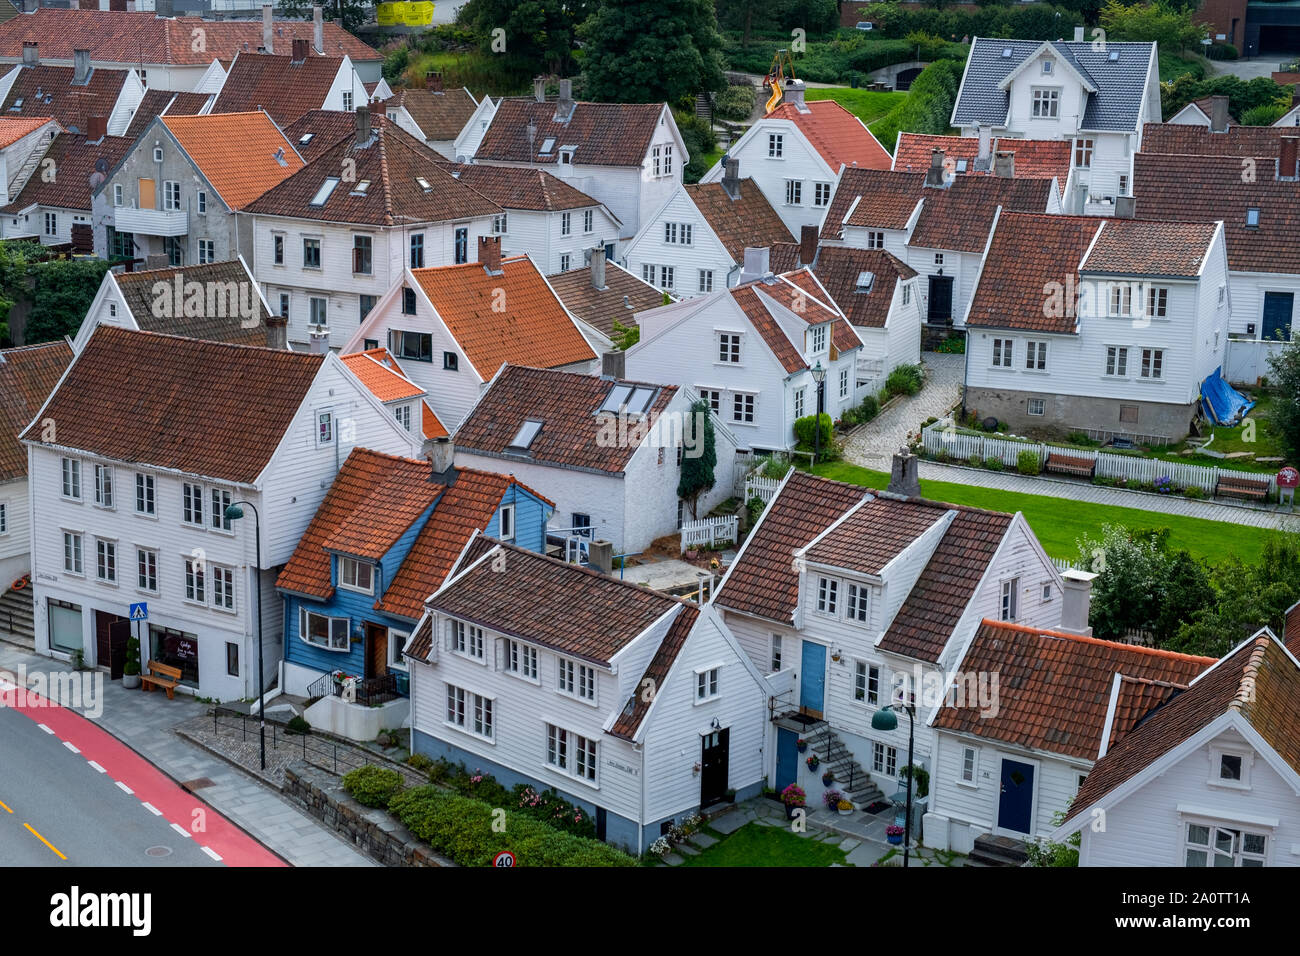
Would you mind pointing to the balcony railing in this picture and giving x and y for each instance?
(151, 222)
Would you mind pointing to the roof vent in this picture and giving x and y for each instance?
(279, 156)
(1113, 55)
(1006, 53)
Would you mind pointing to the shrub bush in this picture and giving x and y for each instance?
(420, 762)
(462, 829)
(849, 418)
(372, 786)
(754, 509)
(1027, 463)
(975, 461)
(1265, 115)
(1192, 491)
(993, 464)
(953, 345)
(298, 725)
(869, 408)
(735, 103)
(805, 429)
(1221, 51)
(904, 380)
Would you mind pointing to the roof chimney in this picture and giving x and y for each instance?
(31, 53)
(267, 30)
(755, 264)
(985, 156)
(792, 93)
(1076, 601)
(613, 365)
(600, 556)
(300, 49)
(441, 453)
(936, 175)
(598, 268)
(277, 332)
(1125, 207)
(539, 88)
(433, 81)
(80, 67)
(564, 105)
(318, 29)
(1218, 114)
(489, 254)
(318, 340)
(1004, 164)
(96, 128)
(903, 478)
(807, 245)
(156, 260)
(362, 123)
(1287, 153)
(1078, 34)
(731, 176)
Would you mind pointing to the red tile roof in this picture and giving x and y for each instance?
(566, 608)
(1261, 142)
(1027, 255)
(960, 216)
(284, 87)
(838, 135)
(1054, 689)
(1035, 158)
(12, 129)
(81, 165)
(566, 405)
(873, 535)
(600, 308)
(1259, 681)
(838, 268)
(321, 130)
(71, 104)
(431, 425)
(223, 322)
(392, 162)
(603, 134)
(799, 294)
(114, 36)
(380, 373)
(638, 705)
(747, 220)
(27, 376)
(1135, 247)
(440, 114)
(535, 329)
(263, 157)
(129, 397)
(165, 102)
(513, 187)
(876, 198)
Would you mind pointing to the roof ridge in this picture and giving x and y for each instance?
(1083, 639)
(1245, 693)
(190, 340)
(385, 179)
(670, 599)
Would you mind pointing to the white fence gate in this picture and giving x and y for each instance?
(708, 532)
(756, 486)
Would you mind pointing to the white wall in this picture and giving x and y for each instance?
(705, 252)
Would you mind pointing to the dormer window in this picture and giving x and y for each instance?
(548, 144)
(323, 193)
(566, 156)
(866, 282)
(356, 576)
(817, 339)
(1047, 67)
(1252, 217)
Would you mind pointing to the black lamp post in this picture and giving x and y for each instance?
(233, 513)
(886, 718)
(819, 377)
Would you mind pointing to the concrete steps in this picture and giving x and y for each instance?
(17, 617)
(998, 851)
(850, 777)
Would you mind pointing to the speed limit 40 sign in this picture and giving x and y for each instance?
(504, 858)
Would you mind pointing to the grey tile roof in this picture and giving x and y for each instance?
(1120, 83)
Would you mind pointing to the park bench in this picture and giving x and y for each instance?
(161, 675)
(1242, 488)
(1070, 464)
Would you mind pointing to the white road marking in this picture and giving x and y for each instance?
(210, 853)
(181, 830)
(44, 728)
(97, 766)
(69, 745)
(125, 787)
(152, 809)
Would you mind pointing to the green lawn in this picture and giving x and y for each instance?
(1266, 442)
(1059, 523)
(866, 105)
(757, 845)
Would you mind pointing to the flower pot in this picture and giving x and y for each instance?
(846, 813)
(130, 681)
(789, 811)
(802, 745)
(896, 840)
(828, 778)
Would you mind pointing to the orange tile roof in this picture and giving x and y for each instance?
(380, 373)
(534, 329)
(430, 424)
(838, 135)
(236, 152)
(27, 376)
(12, 129)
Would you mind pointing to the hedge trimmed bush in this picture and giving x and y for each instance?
(462, 829)
(993, 464)
(372, 786)
(1027, 463)
(869, 409)
(805, 429)
(735, 103)
(420, 762)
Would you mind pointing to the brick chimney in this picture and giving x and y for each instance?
(1076, 601)
(1004, 164)
(489, 254)
(903, 478)
(300, 48)
(1218, 114)
(1287, 153)
(807, 245)
(318, 29)
(731, 177)
(433, 81)
(96, 128)
(31, 53)
(156, 260)
(598, 268)
(935, 176)
(80, 67)
(361, 121)
(1078, 34)
(268, 30)
(277, 332)
(539, 89)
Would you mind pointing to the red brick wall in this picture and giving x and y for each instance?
(1219, 14)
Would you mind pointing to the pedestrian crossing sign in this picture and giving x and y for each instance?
(140, 611)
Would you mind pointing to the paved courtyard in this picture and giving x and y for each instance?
(873, 445)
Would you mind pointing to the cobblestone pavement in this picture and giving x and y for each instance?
(873, 445)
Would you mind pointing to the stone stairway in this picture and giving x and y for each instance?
(17, 618)
(992, 850)
(850, 778)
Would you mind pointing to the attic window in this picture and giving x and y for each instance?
(548, 144)
(632, 398)
(423, 183)
(324, 192)
(361, 188)
(305, 138)
(1006, 53)
(1047, 67)
(524, 437)
(1252, 217)
(961, 165)
(866, 281)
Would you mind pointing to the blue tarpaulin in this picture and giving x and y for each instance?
(1223, 404)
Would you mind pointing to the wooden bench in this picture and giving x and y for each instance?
(1071, 464)
(161, 675)
(1242, 488)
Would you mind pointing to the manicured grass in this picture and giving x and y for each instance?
(756, 845)
(866, 105)
(1059, 522)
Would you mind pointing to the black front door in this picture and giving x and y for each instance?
(602, 821)
(713, 767)
(940, 299)
(1277, 315)
(119, 632)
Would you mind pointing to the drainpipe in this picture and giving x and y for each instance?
(965, 374)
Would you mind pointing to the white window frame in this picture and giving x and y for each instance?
(1239, 833)
(106, 561)
(566, 223)
(799, 404)
(396, 644)
(220, 499)
(563, 747)
(1217, 754)
(1152, 365)
(845, 386)
(794, 192)
(146, 500)
(192, 501)
(350, 575)
(857, 607)
(866, 678)
(884, 759)
(821, 194)
(775, 651)
(1039, 403)
(875, 239)
(468, 641)
(1116, 361)
(506, 523)
(1003, 352)
(817, 339)
(729, 348)
(324, 427)
(744, 408)
(196, 581)
(74, 553)
(71, 468)
(521, 661)
(117, 194)
(828, 596)
(1009, 600)
(969, 777)
(708, 683)
(706, 280)
(201, 202)
(335, 626)
(221, 586)
(148, 557)
(1157, 302)
(171, 195)
(104, 486)
(471, 713)
(775, 145)
(4, 517)
(1046, 103)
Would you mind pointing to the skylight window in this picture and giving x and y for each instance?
(866, 281)
(18, 104)
(1252, 216)
(305, 138)
(616, 399)
(548, 144)
(1113, 56)
(324, 192)
(423, 183)
(634, 399)
(1006, 53)
(961, 166)
(361, 188)
(524, 437)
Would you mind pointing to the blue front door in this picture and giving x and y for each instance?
(812, 680)
(787, 758)
(1016, 803)
(1277, 315)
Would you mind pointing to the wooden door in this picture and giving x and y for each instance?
(376, 650)
(713, 767)
(148, 199)
(104, 637)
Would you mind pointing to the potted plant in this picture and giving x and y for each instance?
(832, 799)
(131, 669)
(793, 797)
(844, 807)
(731, 795)
(813, 762)
(894, 834)
(828, 778)
(802, 745)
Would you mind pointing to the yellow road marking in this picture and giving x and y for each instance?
(7, 810)
(46, 842)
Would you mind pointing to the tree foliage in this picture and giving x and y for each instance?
(61, 295)
(648, 51)
(1243, 95)
(927, 108)
(15, 264)
(542, 30)
(697, 469)
(1285, 377)
(1160, 22)
(353, 13)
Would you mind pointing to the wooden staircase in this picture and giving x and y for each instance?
(850, 778)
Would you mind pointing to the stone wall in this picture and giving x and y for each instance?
(374, 832)
(1063, 414)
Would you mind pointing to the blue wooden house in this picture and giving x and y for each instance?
(381, 542)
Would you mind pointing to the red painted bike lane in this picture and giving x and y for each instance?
(218, 837)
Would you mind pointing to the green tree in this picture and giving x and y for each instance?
(624, 336)
(541, 30)
(15, 263)
(697, 468)
(61, 294)
(1160, 22)
(649, 51)
(1130, 572)
(1243, 95)
(1285, 369)
(353, 13)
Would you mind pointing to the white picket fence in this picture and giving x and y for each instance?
(960, 447)
(707, 532)
(757, 486)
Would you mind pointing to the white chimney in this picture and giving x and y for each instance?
(318, 29)
(319, 341)
(1078, 34)
(986, 146)
(267, 30)
(441, 453)
(792, 93)
(598, 268)
(1076, 601)
(755, 265)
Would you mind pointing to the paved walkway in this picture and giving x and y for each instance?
(146, 722)
(873, 445)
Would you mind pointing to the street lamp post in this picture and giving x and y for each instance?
(233, 513)
(819, 376)
(887, 719)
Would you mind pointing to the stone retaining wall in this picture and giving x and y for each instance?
(372, 831)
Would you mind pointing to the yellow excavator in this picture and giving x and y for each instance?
(776, 75)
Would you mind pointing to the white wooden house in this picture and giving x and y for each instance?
(532, 669)
(132, 496)
(1117, 342)
(289, 85)
(23, 141)
(58, 209)
(464, 147)
(434, 116)
(1208, 780)
(751, 350)
(64, 93)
